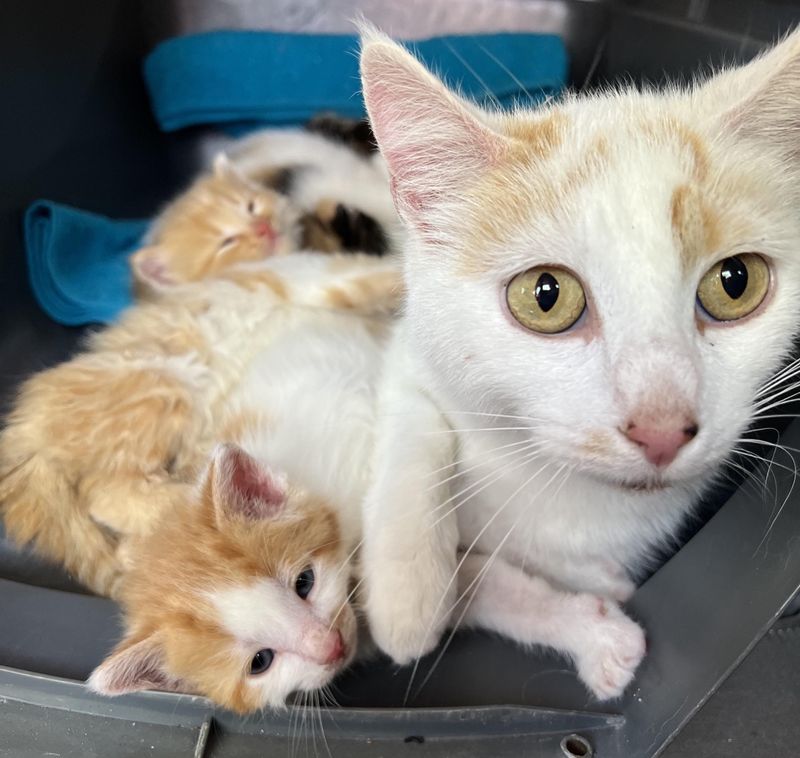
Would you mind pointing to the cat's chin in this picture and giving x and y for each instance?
(645, 486)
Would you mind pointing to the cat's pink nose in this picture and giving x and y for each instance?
(660, 443)
(262, 228)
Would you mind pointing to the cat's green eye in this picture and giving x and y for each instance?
(734, 287)
(546, 299)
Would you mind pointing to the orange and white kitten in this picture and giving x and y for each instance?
(240, 594)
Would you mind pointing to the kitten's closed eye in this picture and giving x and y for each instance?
(262, 660)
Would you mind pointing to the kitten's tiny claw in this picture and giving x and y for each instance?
(614, 647)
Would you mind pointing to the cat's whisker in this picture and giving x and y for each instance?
(481, 429)
(474, 73)
(790, 370)
(464, 459)
(460, 563)
(494, 476)
(477, 581)
(522, 445)
(508, 71)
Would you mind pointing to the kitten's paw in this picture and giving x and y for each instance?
(407, 612)
(613, 648)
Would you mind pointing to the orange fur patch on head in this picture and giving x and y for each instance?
(669, 129)
(504, 201)
(695, 225)
(535, 138)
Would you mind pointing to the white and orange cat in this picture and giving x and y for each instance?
(598, 292)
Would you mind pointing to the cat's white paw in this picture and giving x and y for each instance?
(613, 647)
(406, 611)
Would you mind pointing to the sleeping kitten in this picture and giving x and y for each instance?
(597, 291)
(96, 448)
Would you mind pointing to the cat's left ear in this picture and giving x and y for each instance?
(433, 142)
(243, 488)
(136, 664)
(760, 100)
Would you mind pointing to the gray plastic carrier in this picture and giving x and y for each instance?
(76, 128)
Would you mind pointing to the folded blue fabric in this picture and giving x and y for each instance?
(78, 262)
(270, 78)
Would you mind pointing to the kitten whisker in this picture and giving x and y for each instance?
(344, 604)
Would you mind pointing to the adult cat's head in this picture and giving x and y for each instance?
(623, 268)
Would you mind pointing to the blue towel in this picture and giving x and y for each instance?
(269, 78)
(78, 262)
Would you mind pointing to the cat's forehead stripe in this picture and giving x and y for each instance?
(695, 225)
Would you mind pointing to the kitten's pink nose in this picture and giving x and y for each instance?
(263, 228)
(336, 649)
(661, 442)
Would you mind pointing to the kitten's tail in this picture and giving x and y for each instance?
(40, 508)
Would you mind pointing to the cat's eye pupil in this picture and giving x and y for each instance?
(734, 277)
(546, 291)
(304, 583)
(262, 660)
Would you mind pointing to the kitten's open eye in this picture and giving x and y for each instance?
(262, 660)
(734, 287)
(228, 241)
(251, 207)
(546, 299)
(304, 583)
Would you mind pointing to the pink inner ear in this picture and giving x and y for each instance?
(254, 492)
(154, 271)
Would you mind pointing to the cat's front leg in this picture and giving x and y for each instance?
(410, 534)
(604, 643)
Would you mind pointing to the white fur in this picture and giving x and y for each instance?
(566, 514)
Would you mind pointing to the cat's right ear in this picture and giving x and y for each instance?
(242, 488)
(432, 141)
(149, 265)
(136, 664)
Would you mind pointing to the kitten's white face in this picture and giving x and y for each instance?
(627, 202)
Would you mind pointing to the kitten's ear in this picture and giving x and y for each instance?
(150, 265)
(242, 488)
(761, 100)
(432, 141)
(135, 665)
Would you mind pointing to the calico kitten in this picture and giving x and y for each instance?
(598, 291)
(96, 448)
